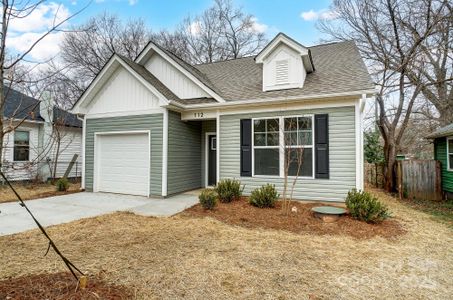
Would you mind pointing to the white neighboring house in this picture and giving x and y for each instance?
(30, 151)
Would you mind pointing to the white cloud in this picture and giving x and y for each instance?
(42, 18)
(195, 28)
(132, 2)
(258, 27)
(44, 50)
(24, 32)
(323, 14)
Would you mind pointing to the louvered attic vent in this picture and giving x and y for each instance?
(281, 71)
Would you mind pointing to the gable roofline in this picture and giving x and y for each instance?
(441, 132)
(293, 44)
(112, 64)
(188, 70)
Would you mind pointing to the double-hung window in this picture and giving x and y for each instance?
(450, 153)
(266, 141)
(298, 139)
(283, 144)
(21, 145)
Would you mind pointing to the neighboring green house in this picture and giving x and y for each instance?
(443, 152)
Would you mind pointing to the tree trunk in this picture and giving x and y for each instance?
(390, 159)
(446, 116)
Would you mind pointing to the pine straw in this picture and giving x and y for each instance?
(195, 258)
(241, 213)
(30, 191)
(59, 286)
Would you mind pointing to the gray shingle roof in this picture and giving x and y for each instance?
(20, 106)
(339, 68)
(66, 118)
(442, 132)
(191, 69)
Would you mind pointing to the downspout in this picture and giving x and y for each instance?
(83, 119)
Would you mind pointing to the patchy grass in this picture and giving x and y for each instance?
(441, 211)
(29, 191)
(185, 257)
(241, 213)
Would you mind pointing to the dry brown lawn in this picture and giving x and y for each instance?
(29, 191)
(203, 258)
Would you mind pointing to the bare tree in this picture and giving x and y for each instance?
(9, 65)
(435, 62)
(221, 32)
(241, 38)
(293, 150)
(88, 47)
(391, 51)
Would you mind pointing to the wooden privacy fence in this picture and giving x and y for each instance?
(419, 179)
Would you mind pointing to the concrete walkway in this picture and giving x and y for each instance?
(67, 208)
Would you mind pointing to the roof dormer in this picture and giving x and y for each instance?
(285, 64)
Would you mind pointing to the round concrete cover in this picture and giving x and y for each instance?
(329, 210)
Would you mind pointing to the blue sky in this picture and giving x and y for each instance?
(277, 15)
(295, 18)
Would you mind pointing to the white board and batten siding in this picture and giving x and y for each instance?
(175, 80)
(22, 170)
(122, 93)
(342, 155)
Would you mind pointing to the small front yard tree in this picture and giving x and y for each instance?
(296, 135)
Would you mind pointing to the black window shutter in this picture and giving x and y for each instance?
(322, 146)
(246, 147)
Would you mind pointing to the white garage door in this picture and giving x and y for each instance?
(123, 162)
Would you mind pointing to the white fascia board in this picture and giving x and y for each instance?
(267, 101)
(281, 39)
(109, 68)
(152, 47)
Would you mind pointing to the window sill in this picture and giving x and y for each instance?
(281, 177)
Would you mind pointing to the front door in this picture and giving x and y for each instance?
(212, 160)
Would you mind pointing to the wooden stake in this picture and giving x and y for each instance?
(83, 280)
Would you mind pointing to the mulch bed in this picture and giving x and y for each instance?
(241, 213)
(59, 286)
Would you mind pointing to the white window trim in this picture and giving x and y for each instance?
(449, 168)
(29, 146)
(281, 147)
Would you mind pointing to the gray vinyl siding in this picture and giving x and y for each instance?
(342, 152)
(153, 122)
(184, 154)
(206, 126)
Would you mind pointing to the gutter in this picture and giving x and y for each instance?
(261, 101)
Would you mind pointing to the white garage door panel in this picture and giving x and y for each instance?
(123, 162)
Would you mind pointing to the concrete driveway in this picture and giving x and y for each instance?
(62, 209)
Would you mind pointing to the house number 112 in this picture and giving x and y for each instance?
(198, 115)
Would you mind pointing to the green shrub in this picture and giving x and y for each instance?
(265, 196)
(208, 199)
(229, 190)
(62, 184)
(365, 207)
